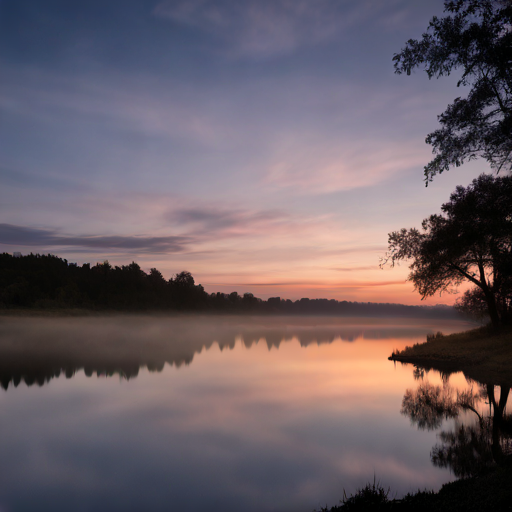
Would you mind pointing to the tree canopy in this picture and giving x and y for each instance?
(474, 39)
(37, 281)
(470, 241)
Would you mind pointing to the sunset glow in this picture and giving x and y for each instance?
(266, 148)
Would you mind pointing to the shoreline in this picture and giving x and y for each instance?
(485, 356)
(481, 354)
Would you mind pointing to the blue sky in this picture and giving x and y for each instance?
(263, 145)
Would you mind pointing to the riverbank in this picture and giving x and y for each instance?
(491, 491)
(484, 355)
(481, 354)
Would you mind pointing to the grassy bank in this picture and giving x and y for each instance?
(488, 492)
(481, 354)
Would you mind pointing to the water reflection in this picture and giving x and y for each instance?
(481, 436)
(253, 429)
(36, 350)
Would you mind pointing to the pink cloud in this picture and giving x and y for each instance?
(213, 221)
(327, 168)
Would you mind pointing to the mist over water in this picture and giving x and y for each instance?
(207, 412)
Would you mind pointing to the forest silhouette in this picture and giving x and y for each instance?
(48, 282)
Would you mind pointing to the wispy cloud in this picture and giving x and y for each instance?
(224, 222)
(195, 228)
(307, 136)
(138, 104)
(355, 269)
(32, 237)
(265, 28)
(304, 284)
(358, 249)
(328, 168)
(259, 28)
(371, 284)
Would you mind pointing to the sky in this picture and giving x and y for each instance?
(265, 146)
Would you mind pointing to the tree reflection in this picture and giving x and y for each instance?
(473, 447)
(429, 405)
(466, 451)
(37, 350)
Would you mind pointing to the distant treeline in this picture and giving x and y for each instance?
(49, 282)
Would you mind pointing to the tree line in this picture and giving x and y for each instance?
(38, 281)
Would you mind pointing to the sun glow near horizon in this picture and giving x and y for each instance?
(276, 169)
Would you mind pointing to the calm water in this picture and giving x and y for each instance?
(214, 413)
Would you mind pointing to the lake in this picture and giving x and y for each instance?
(226, 413)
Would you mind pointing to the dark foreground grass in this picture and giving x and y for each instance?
(490, 492)
(483, 354)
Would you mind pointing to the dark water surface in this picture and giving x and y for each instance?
(216, 413)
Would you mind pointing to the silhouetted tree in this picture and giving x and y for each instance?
(471, 241)
(472, 303)
(249, 300)
(183, 280)
(186, 294)
(474, 38)
(234, 297)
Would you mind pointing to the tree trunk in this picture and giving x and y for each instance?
(489, 297)
(493, 309)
